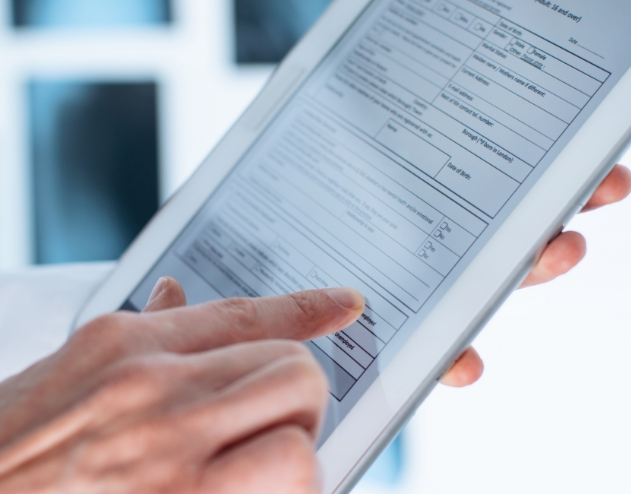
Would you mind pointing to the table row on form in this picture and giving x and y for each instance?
(425, 89)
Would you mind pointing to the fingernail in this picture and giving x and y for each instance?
(348, 298)
(157, 290)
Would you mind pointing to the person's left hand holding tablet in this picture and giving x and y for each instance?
(187, 400)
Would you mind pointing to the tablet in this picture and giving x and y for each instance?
(421, 151)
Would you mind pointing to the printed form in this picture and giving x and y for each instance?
(391, 163)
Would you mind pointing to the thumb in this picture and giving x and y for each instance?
(167, 294)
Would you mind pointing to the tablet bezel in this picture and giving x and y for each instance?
(396, 393)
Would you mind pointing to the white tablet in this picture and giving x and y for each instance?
(421, 151)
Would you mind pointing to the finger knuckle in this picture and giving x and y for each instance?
(108, 335)
(140, 378)
(308, 306)
(308, 376)
(131, 450)
(289, 348)
(153, 367)
(242, 312)
(299, 455)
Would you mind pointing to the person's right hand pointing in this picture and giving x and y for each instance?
(188, 400)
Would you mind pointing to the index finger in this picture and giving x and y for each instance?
(301, 316)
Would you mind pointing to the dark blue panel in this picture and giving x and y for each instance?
(94, 153)
(267, 29)
(90, 13)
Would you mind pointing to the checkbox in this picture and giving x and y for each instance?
(444, 226)
(428, 245)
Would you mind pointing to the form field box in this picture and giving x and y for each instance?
(339, 356)
(412, 148)
(367, 340)
(480, 184)
(434, 254)
(526, 112)
(340, 381)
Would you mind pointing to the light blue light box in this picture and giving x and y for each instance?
(94, 166)
(90, 13)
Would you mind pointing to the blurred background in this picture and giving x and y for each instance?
(107, 106)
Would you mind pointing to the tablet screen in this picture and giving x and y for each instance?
(395, 162)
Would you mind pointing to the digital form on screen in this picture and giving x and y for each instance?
(396, 160)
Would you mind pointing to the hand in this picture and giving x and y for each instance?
(562, 255)
(185, 400)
